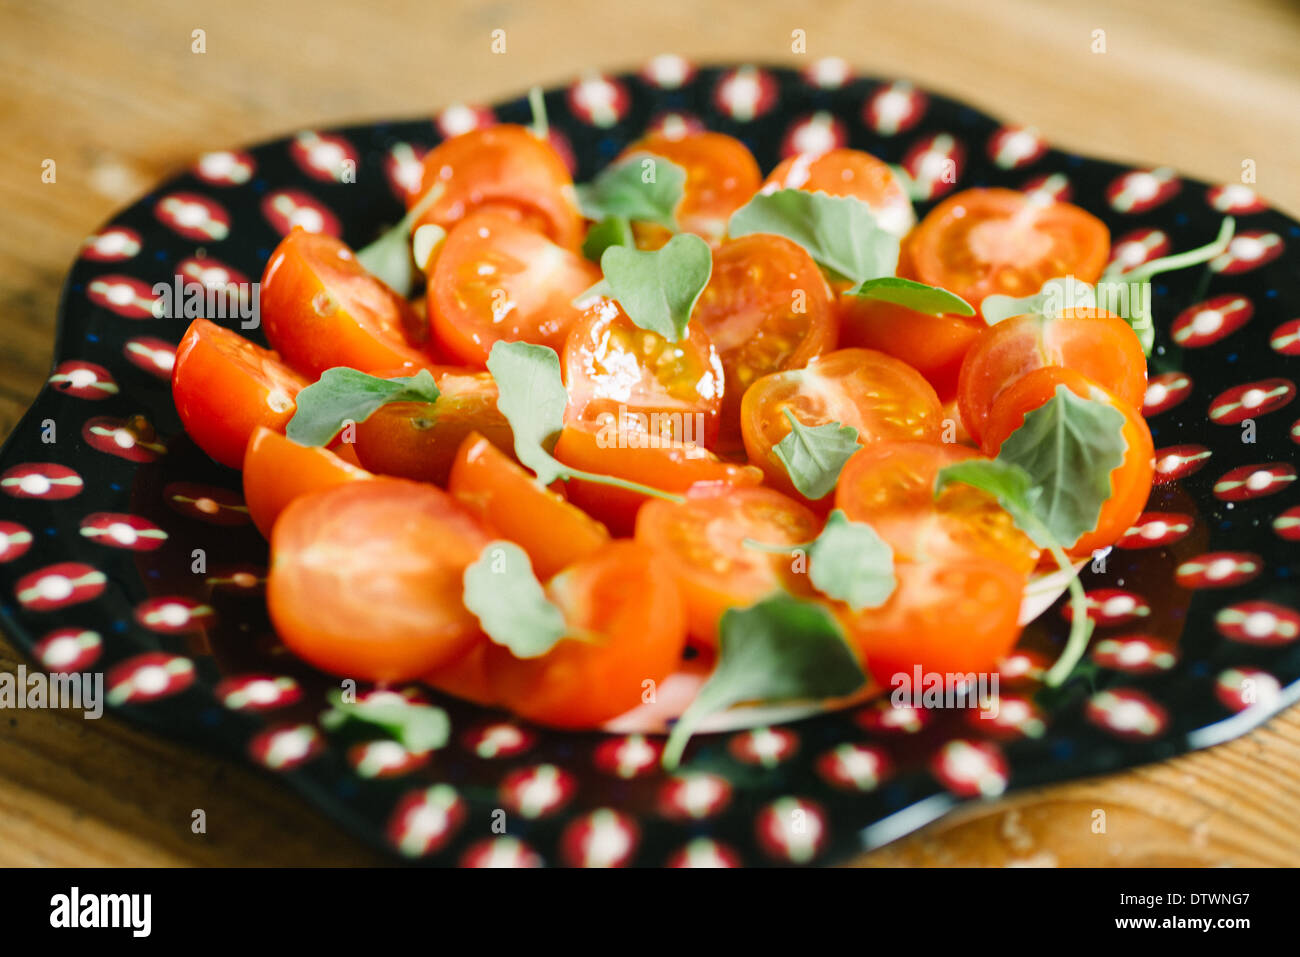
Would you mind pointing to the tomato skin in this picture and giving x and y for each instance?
(419, 440)
(366, 579)
(277, 471)
(702, 543)
(721, 176)
(667, 466)
(629, 609)
(225, 387)
(508, 499)
(613, 368)
(501, 166)
(932, 345)
(1130, 480)
(1096, 343)
(890, 486)
(952, 617)
(881, 397)
(466, 677)
(847, 172)
(530, 274)
(321, 309)
(984, 241)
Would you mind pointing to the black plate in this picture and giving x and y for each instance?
(1197, 645)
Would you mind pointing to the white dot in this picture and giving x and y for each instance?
(54, 587)
(34, 484)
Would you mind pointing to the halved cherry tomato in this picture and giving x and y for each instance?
(501, 166)
(703, 543)
(366, 579)
(668, 466)
(890, 486)
(419, 440)
(956, 616)
(467, 676)
(766, 308)
(277, 471)
(932, 345)
(721, 176)
(629, 627)
(508, 499)
(1130, 481)
(846, 172)
(881, 397)
(224, 387)
(618, 372)
(496, 279)
(1094, 342)
(322, 308)
(984, 241)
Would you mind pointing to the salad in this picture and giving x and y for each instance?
(540, 443)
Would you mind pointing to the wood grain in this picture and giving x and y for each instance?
(115, 96)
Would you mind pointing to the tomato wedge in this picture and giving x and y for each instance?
(629, 628)
(703, 543)
(984, 241)
(467, 676)
(1130, 481)
(1094, 342)
(617, 372)
(322, 309)
(277, 471)
(225, 387)
(496, 279)
(508, 499)
(721, 176)
(846, 172)
(366, 579)
(503, 166)
(881, 397)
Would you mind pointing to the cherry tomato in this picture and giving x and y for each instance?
(766, 308)
(224, 387)
(629, 627)
(703, 543)
(501, 166)
(1130, 481)
(467, 676)
(890, 486)
(956, 616)
(1101, 346)
(277, 471)
(721, 176)
(322, 309)
(668, 466)
(366, 579)
(881, 397)
(617, 372)
(496, 279)
(846, 172)
(419, 440)
(508, 499)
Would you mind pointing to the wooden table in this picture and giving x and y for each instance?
(119, 100)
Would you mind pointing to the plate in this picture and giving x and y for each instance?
(124, 550)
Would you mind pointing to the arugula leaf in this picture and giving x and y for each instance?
(658, 288)
(778, 650)
(388, 258)
(417, 727)
(850, 562)
(1192, 257)
(342, 394)
(506, 597)
(643, 187)
(610, 231)
(916, 296)
(839, 232)
(814, 454)
(541, 125)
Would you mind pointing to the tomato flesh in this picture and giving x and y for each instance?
(721, 176)
(277, 471)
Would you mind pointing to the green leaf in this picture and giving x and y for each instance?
(541, 125)
(1011, 485)
(848, 561)
(658, 288)
(610, 231)
(388, 258)
(342, 395)
(777, 651)
(506, 597)
(641, 188)
(839, 232)
(1192, 257)
(814, 454)
(916, 296)
(418, 727)
(532, 397)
